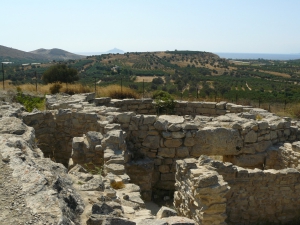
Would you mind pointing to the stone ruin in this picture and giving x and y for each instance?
(222, 163)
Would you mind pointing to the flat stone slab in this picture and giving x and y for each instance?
(172, 118)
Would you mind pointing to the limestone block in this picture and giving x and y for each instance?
(172, 118)
(210, 105)
(249, 161)
(166, 152)
(178, 134)
(206, 111)
(161, 124)
(221, 105)
(195, 104)
(296, 146)
(173, 143)
(125, 117)
(164, 169)
(175, 127)
(114, 136)
(189, 126)
(116, 169)
(273, 135)
(94, 138)
(165, 212)
(101, 101)
(189, 141)
(250, 137)
(262, 125)
(167, 135)
(182, 152)
(151, 142)
(217, 141)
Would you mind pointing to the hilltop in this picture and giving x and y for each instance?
(11, 54)
(39, 55)
(56, 54)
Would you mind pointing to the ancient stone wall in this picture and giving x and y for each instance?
(55, 130)
(161, 140)
(165, 139)
(147, 107)
(210, 191)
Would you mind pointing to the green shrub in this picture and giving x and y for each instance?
(30, 102)
(164, 102)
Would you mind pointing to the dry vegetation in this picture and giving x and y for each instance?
(114, 91)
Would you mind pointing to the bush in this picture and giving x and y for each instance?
(164, 102)
(30, 102)
(55, 88)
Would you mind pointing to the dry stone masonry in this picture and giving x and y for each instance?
(139, 156)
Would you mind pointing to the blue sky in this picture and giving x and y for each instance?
(252, 26)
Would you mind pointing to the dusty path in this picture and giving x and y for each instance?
(248, 86)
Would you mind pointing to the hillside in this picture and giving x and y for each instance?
(189, 74)
(56, 54)
(40, 55)
(13, 55)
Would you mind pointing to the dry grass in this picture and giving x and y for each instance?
(115, 91)
(117, 184)
(276, 73)
(145, 78)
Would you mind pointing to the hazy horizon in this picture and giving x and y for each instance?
(268, 26)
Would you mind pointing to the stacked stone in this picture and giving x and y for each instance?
(200, 193)
(87, 150)
(45, 130)
(55, 130)
(258, 195)
(288, 156)
(257, 137)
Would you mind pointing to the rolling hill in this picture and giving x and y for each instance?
(56, 54)
(40, 55)
(13, 55)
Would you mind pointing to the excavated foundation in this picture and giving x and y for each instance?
(257, 181)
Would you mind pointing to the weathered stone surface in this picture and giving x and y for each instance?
(251, 137)
(12, 125)
(149, 119)
(165, 212)
(182, 152)
(161, 124)
(172, 118)
(35, 185)
(166, 152)
(216, 141)
(173, 143)
(176, 220)
(151, 142)
(178, 134)
(296, 146)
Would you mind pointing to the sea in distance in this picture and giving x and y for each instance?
(258, 56)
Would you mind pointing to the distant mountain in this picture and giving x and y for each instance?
(115, 51)
(112, 51)
(39, 55)
(11, 54)
(56, 54)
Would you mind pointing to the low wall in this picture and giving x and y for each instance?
(210, 188)
(55, 129)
